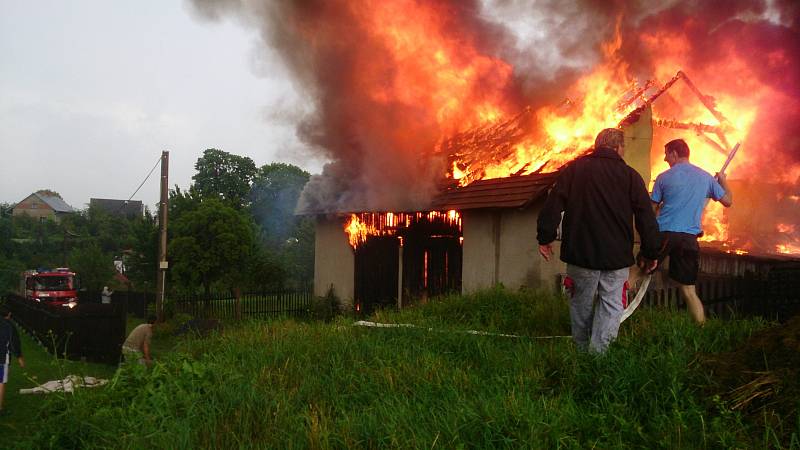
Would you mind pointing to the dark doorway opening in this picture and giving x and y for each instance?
(431, 254)
(376, 274)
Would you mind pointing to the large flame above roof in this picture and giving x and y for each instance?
(392, 83)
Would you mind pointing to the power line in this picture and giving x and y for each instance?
(142, 184)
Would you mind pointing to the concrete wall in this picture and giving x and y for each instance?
(500, 247)
(519, 251)
(638, 142)
(480, 252)
(334, 260)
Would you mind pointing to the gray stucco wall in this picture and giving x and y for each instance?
(334, 261)
(500, 247)
(478, 269)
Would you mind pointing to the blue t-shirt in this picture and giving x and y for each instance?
(684, 189)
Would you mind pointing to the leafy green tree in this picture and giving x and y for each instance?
(142, 260)
(10, 273)
(6, 209)
(274, 196)
(224, 176)
(112, 231)
(37, 243)
(297, 255)
(6, 234)
(49, 193)
(94, 267)
(276, 190)
(264, 270)
(211, 244)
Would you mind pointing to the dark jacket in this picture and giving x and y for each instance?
(600, 196)
(9, 340)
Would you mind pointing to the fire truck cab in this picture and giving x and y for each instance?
(52, 286)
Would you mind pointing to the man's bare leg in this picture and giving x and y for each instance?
(693, 302)
(2, 394)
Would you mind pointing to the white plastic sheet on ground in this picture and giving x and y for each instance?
(68, 384)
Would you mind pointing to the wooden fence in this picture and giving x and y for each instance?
(775, 296)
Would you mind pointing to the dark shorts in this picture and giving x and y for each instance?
(684, 256)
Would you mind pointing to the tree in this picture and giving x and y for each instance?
(49, 193)
(224, 176)
(298, 254)
(6, 234)
(276, 189)
(211, 244)
(94, 267)
(10, 273)
(141, 263)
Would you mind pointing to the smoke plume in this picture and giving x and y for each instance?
(390, 79)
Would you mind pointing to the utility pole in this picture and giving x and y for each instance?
(162, 241)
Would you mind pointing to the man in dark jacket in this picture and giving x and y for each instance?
(600, 196)
(9, 343)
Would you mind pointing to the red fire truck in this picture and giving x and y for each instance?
(52, 286)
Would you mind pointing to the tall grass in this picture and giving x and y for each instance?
(286, 384)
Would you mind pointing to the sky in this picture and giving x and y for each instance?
(91, 92)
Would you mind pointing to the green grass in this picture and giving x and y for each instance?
(40, 367)
(288, 384)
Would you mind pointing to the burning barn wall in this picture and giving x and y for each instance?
(380, 259)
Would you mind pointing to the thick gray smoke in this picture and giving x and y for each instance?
(381, 151)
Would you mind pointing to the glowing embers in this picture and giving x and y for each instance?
(788, 231)
(363, 225)
(788, 249)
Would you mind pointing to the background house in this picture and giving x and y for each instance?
(127, 208)
(43, 205)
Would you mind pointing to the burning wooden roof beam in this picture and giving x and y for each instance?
(472, 151)
(701, 129)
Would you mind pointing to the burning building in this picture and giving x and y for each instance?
(420, 105)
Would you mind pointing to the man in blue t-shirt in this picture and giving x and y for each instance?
(681, 193)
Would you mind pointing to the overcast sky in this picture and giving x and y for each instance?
(91, 92)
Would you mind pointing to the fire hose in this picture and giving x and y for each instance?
(637, 299)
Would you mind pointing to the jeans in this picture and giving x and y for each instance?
(592, 328)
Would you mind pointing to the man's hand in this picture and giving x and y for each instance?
(647, 265)
(21, 361)
(546, 250)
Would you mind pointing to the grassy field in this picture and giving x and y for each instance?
(289, 384)
(23, 410)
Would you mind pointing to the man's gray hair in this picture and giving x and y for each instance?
(610, 138)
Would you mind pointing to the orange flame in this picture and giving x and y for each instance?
(431, 66)
(361, 226)
(787, 249)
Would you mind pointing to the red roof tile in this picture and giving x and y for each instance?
(511, 192)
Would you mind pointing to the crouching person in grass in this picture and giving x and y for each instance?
(601, 197)
(137, 345)
(9, 344)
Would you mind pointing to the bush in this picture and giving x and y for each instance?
(326, 308)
